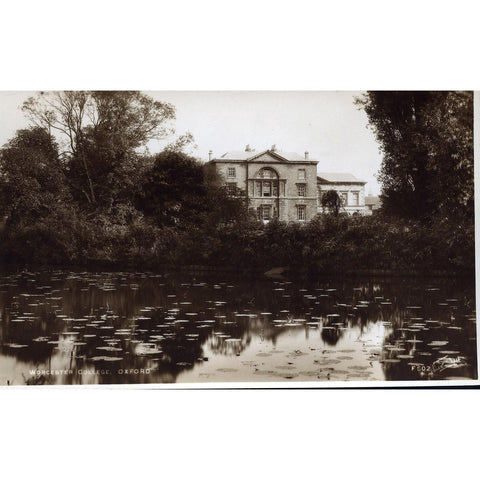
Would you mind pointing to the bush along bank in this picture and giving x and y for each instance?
(326, 245)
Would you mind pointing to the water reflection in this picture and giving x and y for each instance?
(79, 328)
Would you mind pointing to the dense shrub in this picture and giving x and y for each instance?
(327, 244)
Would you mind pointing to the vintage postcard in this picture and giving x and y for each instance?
(237, 238)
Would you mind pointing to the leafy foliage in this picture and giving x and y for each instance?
(101, 133)
(173, 191)
(426, 139)
(178, 190)
(32, 177)
(96, 199)
(332, 202)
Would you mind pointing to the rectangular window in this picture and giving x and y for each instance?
(232, 188)
(302, 188)
(266, 212)
(258, 189)
(275, 189)
(355, 198)
(267, 189)
(231, 172)
(301, 174)
(344, 197)
(302, 212)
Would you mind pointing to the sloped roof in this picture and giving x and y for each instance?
(242, 155)
(339, 178)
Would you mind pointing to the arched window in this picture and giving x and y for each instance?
(266, 182)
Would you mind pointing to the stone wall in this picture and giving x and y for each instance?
(289, 176)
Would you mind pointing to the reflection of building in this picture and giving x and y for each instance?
(285, 185)
(350, 189)
(277, 184)
(372, 204)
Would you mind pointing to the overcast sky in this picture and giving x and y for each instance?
(327, 124)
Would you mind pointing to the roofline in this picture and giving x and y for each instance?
(256, 155)
(249, 160)
(346, 182)
(360, 182)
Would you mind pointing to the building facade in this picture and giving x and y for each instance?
(350, 189)
(280, 185)
(283, 185)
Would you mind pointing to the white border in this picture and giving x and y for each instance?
(219, 45)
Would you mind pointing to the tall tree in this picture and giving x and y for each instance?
(35, 201)
(179, 190)
(426, 139)
(100, 132)
(32, 176)
(450, 161)
(173, 191)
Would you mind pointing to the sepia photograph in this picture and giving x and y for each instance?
(239, 238)
(200, 237)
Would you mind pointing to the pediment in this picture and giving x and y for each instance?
(268, 157)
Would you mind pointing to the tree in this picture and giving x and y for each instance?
(32, 176)
(450, 161)
(173, 191)
(179, 190)
(35, 200)
(426, 139)
(332, 202)
(100, 133)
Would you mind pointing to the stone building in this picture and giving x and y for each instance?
(284, 185)
(350, 189)
(276, 184)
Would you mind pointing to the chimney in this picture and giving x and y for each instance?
(248, 149)
(306, 155)
(210, 153)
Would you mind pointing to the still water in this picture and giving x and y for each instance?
(119, 328)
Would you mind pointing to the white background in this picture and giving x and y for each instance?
(218, 45)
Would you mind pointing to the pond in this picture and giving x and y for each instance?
(70, 328)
